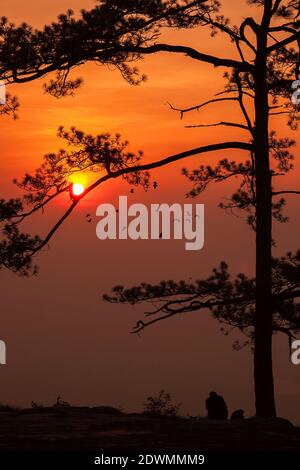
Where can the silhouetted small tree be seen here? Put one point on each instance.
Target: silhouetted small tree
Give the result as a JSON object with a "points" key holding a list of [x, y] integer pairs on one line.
{"points": [[161, 405]]}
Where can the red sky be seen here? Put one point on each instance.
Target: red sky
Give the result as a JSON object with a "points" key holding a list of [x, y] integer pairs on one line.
{"points": [[61, 338]]}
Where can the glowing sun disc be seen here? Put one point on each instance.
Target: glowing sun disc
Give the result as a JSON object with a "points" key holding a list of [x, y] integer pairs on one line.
{"points": [[77, 189]]}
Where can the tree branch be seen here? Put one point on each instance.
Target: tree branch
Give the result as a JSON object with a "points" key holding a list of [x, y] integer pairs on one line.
{"points": [[55, 228], [276, 193], [202, 105], [190, 308], [275, 47], [188, 51], [221, 123], [145, 167]]}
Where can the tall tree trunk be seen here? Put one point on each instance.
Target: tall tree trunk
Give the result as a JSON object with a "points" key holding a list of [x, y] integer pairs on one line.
{"points": [[263, 370]]}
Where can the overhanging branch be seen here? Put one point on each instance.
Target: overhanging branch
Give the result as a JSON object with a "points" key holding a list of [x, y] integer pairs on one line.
{"points": [[188, 51], [145, 167]]}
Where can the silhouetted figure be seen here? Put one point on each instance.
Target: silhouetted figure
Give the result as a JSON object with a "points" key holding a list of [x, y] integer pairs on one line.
{"points": [[238, 414], [216, 406]]}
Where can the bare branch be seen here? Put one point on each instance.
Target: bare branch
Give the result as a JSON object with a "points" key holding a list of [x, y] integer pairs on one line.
{"points": [[221, 123], [249, 22], [37, 207], [202, 105], [276, 193], [195, 306], [241, 103], [55, 228]]}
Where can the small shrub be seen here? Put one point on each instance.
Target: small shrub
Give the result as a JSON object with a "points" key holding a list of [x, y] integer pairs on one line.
{"points": [[61, 403], [35, 405], [161, 405]]}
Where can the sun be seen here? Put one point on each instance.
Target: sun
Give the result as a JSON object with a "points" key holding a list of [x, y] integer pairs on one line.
{"points": [[77, 189]]}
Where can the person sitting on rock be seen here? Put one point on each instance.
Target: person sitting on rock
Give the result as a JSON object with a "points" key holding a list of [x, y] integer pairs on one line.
{"points": [[216, 406]]}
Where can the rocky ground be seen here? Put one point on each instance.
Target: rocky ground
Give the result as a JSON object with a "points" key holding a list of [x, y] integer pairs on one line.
{"points": [[109, 430]]}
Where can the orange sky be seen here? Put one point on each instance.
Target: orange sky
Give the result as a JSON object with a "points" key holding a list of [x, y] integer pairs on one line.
{"points": [[61, 338]]}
